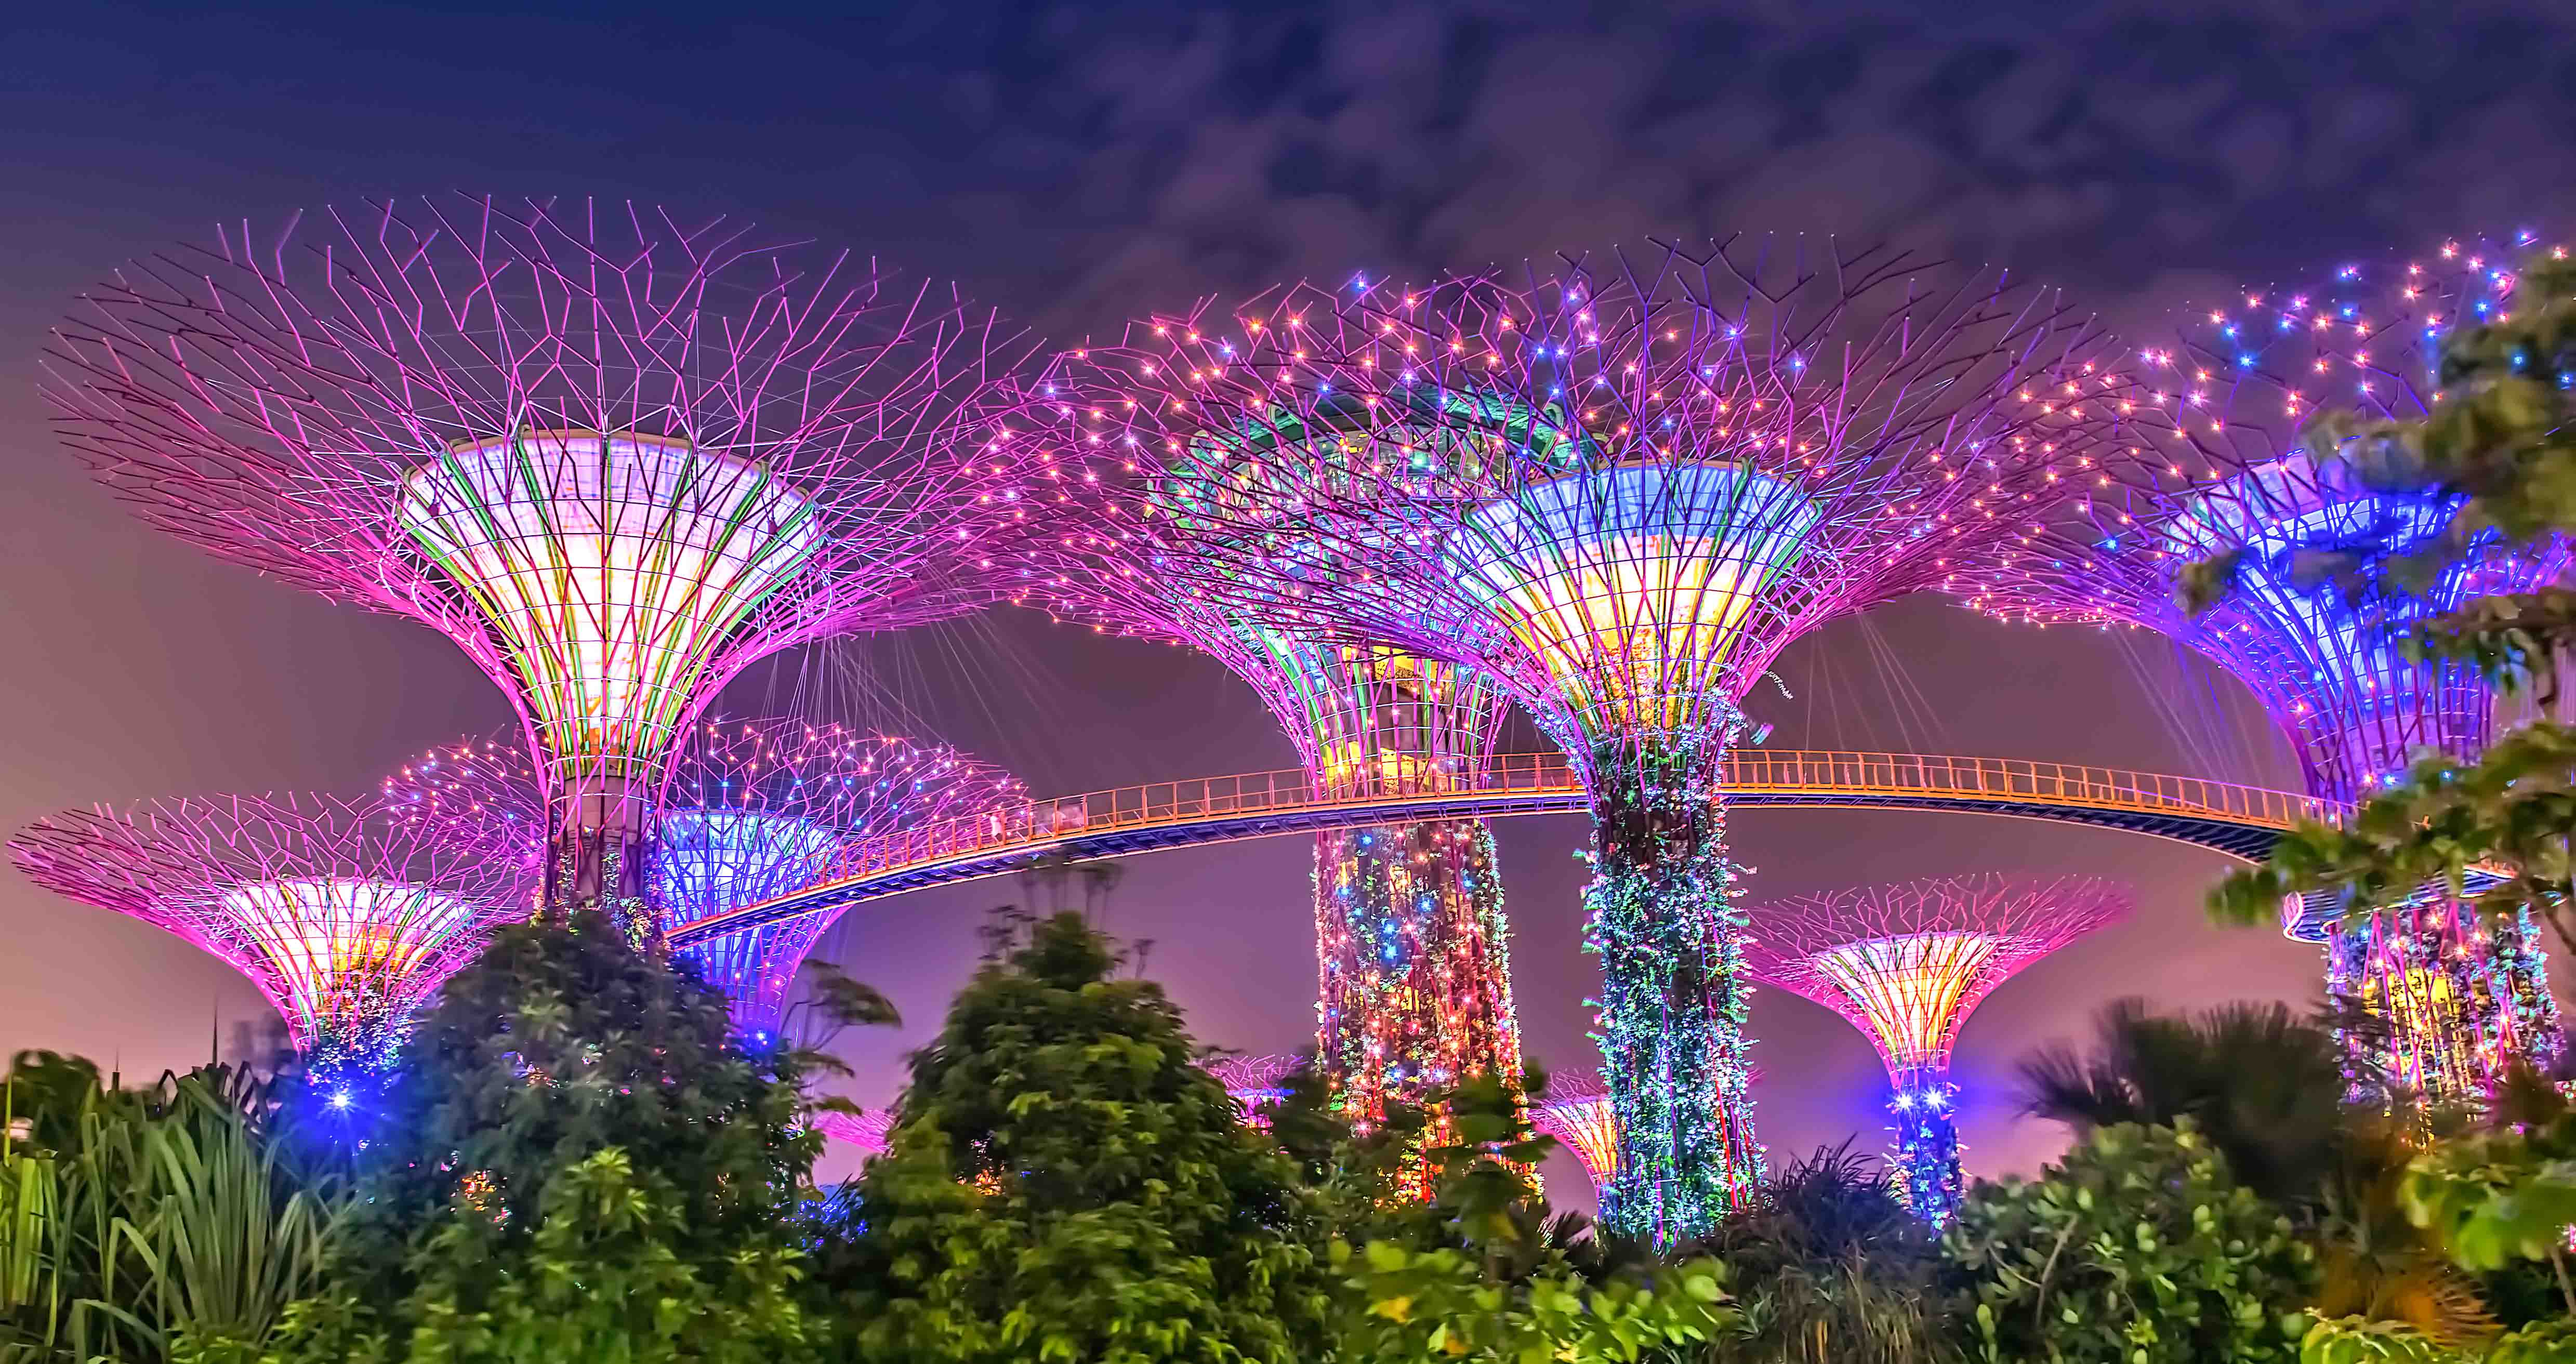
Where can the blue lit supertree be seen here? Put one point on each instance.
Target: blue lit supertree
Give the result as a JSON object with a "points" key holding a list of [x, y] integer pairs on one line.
{"points": [[1619, 493], [750, 811], [2210, 466], [1907, 964]]}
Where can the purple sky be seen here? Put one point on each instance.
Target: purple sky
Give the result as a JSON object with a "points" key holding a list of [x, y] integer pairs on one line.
{"points": [[1075, 165]]}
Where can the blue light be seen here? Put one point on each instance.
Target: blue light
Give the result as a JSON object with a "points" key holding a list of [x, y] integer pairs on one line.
{"points": [[340, 1100]]}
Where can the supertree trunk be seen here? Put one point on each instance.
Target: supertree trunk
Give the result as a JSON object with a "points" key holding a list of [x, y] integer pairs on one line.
{"points": [[597, 861], [1927, 1142], [1671, 1021], [2450, 1004], [1414, 959]]}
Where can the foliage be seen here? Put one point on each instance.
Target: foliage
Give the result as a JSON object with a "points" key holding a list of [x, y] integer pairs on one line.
{"points": [[132, 1220], [1066, 1183], [2138, 1246], [1830, 1264], [576, 1117], [2262, 1087]]}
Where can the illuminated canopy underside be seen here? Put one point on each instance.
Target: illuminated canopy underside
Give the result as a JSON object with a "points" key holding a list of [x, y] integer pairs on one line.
{"points": [[1632, 586], [339, 947], [1590, 1128], [611, 567], [1911, 989]]}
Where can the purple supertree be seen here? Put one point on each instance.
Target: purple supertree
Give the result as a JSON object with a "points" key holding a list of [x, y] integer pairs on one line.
{"points": [[613, 457], [1619, 495], [1256, 1082], [1412, 947], [1576, 1110], [1907, 964], [868, 1131], [346, 917], [748, 810], [2213, 467]]}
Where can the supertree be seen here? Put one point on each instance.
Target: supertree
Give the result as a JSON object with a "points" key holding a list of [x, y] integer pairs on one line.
{"points": [[346, 917], [1411, 943], [1576, 1110], [866, 1131], [1256, 1082], [615, 458], [748, 810], [1907, 964], [2211, 466], [1618, 494]]}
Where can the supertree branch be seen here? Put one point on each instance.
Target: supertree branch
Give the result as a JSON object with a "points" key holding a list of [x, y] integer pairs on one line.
{"points": [[346, 915], [613, 457], [2222, 524], [1576, 1110], [748, 810], [1907, 963], [1618, 490]]}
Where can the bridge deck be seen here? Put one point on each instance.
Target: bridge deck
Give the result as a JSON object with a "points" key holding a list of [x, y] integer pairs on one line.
{"points": [[2241, 821]]}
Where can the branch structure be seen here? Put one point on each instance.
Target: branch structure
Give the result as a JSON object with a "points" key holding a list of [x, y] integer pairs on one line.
{"points": [[347, 915], [1617, 489], [2210, 464], [1907, 964], [613, 456]]}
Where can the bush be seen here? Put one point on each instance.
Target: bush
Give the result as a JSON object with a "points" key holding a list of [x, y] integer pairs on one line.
{"points": [[2138, 1247]]}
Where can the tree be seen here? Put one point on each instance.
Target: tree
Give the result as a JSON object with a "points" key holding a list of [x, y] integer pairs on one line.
{"points": [[1830, 1265], [1064, 1182], [579, 1161], [2138, 1246]]}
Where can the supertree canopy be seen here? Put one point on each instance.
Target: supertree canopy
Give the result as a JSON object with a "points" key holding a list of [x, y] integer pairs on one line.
{"points": [[1412, 945], [1576, 1110], [758, 809], [1619, 495], [1907, 964], [1256, 1082], [346, 917], [748, 810], [2211, 466], [612, 457], [867, 1131]]}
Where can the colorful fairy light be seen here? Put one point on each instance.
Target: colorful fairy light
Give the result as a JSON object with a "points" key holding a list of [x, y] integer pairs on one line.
{"points": [[1617, 498], [613, 458], [1411, 939], [346, 916], [1907, 964], [2211, 466]]}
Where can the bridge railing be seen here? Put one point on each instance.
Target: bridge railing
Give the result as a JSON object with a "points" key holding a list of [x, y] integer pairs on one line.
{"points": [[1037, 823]]}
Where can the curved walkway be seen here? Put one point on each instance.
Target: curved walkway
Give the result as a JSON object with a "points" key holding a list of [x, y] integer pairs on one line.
{"points": [[2240, 821]]}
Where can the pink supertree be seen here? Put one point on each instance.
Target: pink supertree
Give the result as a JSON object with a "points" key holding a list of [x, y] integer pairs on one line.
{"points": [[1256, 1082], [346, 917], [748, 810], [613, 457], [1907, 964], [2212, 466], [867, 1131], [1412, 946], [1576, 1110], [1618, 493]]}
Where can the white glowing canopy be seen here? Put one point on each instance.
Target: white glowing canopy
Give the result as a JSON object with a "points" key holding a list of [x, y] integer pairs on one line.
{"points": [[342, 946], [610, 568], [1910, 988], [1633, 585]]}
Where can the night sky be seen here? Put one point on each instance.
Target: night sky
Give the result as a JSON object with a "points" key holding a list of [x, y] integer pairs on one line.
{"points": [[1077, 165]]}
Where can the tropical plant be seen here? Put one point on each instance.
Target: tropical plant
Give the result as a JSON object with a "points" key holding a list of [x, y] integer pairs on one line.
{"points": [[134, 1221], [576, 1118], [1829, 1265], [1065, 1182], [2138, 1246], [2260, 1085]]}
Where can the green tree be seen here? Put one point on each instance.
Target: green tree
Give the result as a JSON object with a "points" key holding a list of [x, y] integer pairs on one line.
{"points": [[1065, 1182], [579, 1161], [1830, 1266], [2138, 1246]]}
